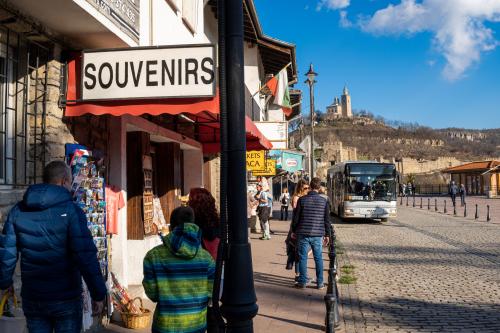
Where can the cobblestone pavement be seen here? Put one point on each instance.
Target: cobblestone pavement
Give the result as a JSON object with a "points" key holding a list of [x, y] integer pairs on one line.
{"points": [[424, 272], [472, 201]]}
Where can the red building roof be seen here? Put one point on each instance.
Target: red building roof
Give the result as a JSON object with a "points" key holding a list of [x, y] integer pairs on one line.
{"points": [[479, 166]]}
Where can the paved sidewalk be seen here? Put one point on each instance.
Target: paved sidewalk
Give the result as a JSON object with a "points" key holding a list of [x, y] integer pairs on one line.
{"points": [[282, 308]]}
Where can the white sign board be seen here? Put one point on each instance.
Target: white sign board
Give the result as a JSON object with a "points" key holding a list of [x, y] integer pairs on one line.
{"points": [[151, 72], [276, 132]]}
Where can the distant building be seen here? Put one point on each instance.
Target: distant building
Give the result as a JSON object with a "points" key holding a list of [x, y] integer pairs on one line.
{"points": [[340, 108]]}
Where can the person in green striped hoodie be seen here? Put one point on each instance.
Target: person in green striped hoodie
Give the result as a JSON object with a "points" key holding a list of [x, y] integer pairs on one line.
{"points": [[178, 276]]}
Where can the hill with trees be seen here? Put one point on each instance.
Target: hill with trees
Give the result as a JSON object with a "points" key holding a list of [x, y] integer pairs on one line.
{"points": [[376, 137]]}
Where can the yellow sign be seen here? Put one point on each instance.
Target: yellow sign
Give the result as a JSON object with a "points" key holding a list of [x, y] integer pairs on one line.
{"points": [[256, 160], [270, 169]]}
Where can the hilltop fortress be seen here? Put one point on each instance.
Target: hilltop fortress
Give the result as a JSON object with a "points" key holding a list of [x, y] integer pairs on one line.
{"points": [[340, 108]]}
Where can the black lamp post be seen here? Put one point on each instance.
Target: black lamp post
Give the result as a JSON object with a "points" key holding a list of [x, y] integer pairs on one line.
{"points": [[311, 76], [239, 302]]}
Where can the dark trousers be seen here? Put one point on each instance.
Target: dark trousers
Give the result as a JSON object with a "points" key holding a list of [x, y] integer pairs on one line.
{"points": [[57, 316], [453, 199], [462, 199], [284, 213]]}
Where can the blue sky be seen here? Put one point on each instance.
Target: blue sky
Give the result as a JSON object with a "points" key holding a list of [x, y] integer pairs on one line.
{"points": [[435, 62]]}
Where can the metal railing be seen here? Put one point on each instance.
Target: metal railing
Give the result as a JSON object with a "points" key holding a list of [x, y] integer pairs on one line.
{"points": [[443, 189], [23, 103]]}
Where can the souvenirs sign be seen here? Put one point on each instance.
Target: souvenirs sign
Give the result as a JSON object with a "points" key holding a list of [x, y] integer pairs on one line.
{"points": [[148, 72], [256, 160]]}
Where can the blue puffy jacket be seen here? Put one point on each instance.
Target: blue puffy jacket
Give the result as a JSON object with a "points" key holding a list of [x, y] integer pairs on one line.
{"points": [[50, 232]]}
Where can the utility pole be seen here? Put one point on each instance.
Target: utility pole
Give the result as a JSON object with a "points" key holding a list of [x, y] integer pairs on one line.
{"points": [[311, 75], [239, 301]]}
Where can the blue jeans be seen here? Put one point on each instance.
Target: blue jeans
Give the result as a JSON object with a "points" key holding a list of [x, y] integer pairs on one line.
{"points": [[316, 243], [57, 316]]}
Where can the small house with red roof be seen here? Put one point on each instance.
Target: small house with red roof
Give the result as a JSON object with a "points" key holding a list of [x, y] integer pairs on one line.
{"points": [[479, 178]]}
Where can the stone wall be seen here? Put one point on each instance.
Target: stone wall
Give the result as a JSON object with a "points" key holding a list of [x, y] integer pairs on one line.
{"points": [[414, 166]]}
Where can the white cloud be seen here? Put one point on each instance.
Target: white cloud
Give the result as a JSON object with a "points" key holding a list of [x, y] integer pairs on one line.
{"points": [[458, 28], [334, 4], [344, 21]]}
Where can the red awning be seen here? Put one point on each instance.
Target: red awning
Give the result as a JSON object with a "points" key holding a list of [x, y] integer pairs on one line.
{"points": [[203, 111], [209, 135]]}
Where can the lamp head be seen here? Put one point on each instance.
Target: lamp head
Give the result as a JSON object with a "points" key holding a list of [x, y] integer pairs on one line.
{"points": [[311, 75]]}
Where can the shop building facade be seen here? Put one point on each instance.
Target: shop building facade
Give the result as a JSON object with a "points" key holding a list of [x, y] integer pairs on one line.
{"points": [[175, 140]]}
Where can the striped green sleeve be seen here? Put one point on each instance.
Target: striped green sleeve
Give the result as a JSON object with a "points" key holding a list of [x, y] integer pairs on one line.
{"points": [[149, 281]]}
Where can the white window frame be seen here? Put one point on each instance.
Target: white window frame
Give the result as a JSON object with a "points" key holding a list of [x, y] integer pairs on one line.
{"points": [[190, 9]]}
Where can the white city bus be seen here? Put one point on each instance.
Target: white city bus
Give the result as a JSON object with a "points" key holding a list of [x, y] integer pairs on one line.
{"points": [[363, 189]]}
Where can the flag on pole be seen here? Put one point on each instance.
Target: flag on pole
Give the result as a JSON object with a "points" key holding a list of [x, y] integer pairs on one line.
{"points": [[278, 86]]}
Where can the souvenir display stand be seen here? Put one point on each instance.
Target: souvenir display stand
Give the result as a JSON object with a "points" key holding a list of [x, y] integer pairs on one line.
{"points": [[88, 189]]}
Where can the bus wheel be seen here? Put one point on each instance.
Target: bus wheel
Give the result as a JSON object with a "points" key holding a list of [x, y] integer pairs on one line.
{"points": [[384, 220]]}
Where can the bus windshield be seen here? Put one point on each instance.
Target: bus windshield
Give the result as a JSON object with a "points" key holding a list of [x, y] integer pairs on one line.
{"points": [[369, 182]]}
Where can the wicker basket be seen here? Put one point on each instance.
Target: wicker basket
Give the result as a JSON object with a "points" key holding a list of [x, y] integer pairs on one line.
{"points": [[136, 321]]}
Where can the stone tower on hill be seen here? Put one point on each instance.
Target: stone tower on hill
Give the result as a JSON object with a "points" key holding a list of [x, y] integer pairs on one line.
{"points": [[340, 108]]}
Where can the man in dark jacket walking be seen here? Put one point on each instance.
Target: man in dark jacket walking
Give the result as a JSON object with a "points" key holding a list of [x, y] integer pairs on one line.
{"points": [[311, 222], [50, 232]]}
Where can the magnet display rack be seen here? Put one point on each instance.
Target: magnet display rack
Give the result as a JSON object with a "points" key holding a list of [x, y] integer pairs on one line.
{"points": [[88, 189]]}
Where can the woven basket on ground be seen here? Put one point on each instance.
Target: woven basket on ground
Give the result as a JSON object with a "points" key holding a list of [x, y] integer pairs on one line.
{"points": [[134, 320]]}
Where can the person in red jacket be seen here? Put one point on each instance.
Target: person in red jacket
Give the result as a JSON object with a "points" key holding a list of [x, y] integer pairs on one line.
{"points": [[207, 218]]}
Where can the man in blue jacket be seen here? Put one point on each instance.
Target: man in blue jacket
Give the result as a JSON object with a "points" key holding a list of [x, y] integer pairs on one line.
{"points": [[50, 233], [311, 222]]}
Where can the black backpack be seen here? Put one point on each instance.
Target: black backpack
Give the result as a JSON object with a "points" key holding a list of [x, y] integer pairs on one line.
{"points": [[284, 201]]}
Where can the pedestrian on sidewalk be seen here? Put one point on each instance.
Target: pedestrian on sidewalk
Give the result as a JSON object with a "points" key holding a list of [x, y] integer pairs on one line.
{"points": [[206, 218], [291, 242], [285, 202], [453, 192], [263, 211], [271, 211], [252, 205], [463, 193], [179, 276], [49, 231], [311, 222]]}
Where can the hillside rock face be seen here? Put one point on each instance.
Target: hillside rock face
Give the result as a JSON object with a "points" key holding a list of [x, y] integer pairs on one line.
{"points": [[375, 140]]}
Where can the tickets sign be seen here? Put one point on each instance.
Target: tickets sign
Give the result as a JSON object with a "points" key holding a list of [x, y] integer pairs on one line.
{"points": [[256, 160], [269, 171]]}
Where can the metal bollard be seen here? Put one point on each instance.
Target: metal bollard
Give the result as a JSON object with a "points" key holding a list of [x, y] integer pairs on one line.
{"points": [[420, 203], [488, 217], [454, 210], [476, 216], [445, 209], [413, 202], [435, 205], [465, 210], [406, 201], [428, 203], [401, 200]]}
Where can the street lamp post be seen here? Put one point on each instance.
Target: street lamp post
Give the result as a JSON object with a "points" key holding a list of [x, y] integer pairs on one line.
{"points": [[239, 301], [311, 75]]}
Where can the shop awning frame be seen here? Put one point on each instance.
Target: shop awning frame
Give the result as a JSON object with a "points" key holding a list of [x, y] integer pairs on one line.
{"points": [[204, 112]]}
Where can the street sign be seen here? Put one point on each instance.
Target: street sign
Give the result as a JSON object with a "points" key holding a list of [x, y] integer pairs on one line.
{"points": [[269, 171], [306, 143], [256, 160]]}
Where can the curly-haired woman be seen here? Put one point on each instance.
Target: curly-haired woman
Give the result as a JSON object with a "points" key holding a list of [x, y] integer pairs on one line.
{"points": [[206, 217]]}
